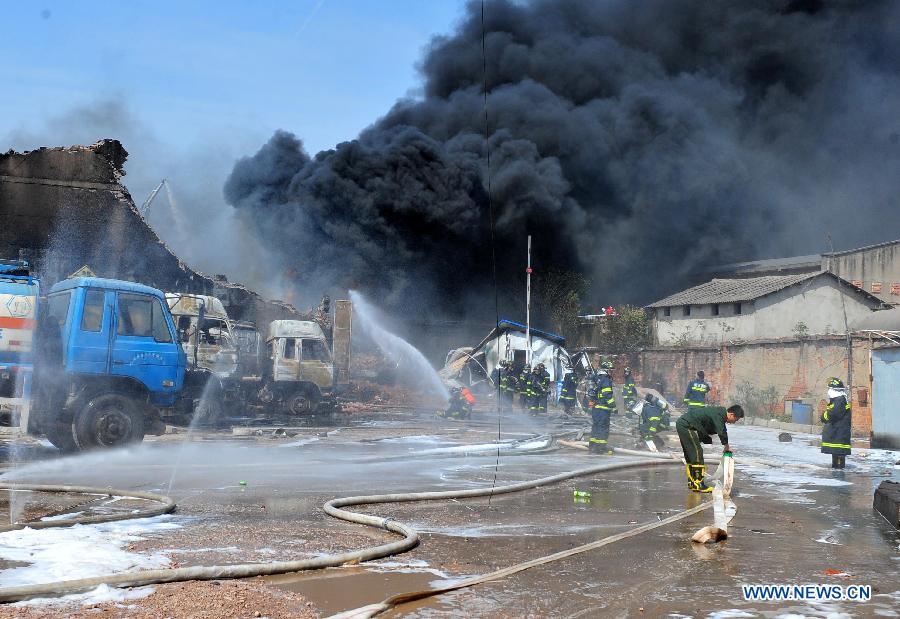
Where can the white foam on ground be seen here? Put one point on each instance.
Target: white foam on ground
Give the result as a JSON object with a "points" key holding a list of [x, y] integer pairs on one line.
{"points": [[100, 595], [61, 517], [81, 551], [730, 613], [303, 441]]}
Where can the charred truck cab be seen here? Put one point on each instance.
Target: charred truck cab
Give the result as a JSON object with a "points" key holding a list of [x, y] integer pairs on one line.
{"points": [[212, 383], [108, 366], [300, 370]]}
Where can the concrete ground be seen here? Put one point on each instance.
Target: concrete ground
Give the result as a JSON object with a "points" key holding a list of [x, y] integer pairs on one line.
{"points": [[797, 523]]}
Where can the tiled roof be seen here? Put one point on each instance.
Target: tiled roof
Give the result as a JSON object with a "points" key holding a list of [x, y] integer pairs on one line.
{"points": [[736, 290]]}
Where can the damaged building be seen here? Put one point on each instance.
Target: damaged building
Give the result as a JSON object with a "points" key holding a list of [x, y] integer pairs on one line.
{"points": [[66, 208]]}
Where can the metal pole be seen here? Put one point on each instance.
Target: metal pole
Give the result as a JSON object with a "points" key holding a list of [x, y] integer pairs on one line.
{"points": [[528, 306], [846, 324]]}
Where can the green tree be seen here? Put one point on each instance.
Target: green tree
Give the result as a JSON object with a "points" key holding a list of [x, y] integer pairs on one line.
{"points": [[626, 332], [557, 297]]}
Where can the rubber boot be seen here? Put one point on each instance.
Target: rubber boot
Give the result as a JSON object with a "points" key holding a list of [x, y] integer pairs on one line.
{"points": [[842, 461], [836, 461], [698, 472]]}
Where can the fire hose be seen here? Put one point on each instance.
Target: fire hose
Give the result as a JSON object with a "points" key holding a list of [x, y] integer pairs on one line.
{"points": [[333, 508]]}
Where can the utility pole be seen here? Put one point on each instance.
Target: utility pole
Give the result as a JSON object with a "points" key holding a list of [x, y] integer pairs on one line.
{"points": [[846, 325], [528, 306]]}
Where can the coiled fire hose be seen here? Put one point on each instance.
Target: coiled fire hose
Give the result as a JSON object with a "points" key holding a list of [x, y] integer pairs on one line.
{"points": [[333, 508]]}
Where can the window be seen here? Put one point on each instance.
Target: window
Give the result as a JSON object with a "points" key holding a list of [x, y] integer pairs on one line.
{"points": [[895, 288], [135, 315], [59, 307], [92, 315], [715, 309], [857, 282], [687, 310], [314, 350], [667, 311], [141, 315], [161, 331], [876, 287], [738, 308], [290, 348]]}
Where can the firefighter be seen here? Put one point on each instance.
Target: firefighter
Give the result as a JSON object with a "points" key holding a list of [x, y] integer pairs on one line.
{"points": [[696, 391], [568, 392], [460, 404], [629, 391], [654, 417], [697, 426], [505, 381], [836, 428], [604, 404], [540, 389], [523, 386]]}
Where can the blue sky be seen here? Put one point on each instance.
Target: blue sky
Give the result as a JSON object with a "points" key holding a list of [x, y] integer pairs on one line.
{"points": [[323, 69], [188, 87]]}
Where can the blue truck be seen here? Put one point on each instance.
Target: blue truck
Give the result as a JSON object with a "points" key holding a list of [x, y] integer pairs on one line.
{"points": [[107, 365]]}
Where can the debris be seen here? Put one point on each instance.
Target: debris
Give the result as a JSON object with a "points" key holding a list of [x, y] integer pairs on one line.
{"points": [[887, 502], [785, 437]]}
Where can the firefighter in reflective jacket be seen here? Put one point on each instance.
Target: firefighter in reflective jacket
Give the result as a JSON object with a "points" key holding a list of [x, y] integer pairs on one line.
{"points": [[604, 404], [696, 391], [567, 394], [629, 391], [460, 404], [837, 418], [523, 386], [540, 389], [505, 381], [654, 417]]}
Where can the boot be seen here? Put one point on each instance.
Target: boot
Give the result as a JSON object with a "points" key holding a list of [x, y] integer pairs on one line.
{"points": [[837, 461], [842, 461], [698, 472], [598, 448]]}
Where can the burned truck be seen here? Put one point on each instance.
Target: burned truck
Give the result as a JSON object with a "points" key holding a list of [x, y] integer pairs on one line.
{"points": [[299, 372], [213, 379]]}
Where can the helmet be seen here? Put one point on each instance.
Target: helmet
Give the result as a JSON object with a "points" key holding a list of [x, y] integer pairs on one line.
{"points": [[701, 375], [835, 383], [628, 370], [539, 366], [649, 397], [606, 365], [504, 363], [455, 390], [526, 368]]}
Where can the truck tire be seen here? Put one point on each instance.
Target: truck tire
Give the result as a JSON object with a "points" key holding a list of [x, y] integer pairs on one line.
{"points": [[302, 402], [108, 420], [60, 434]]}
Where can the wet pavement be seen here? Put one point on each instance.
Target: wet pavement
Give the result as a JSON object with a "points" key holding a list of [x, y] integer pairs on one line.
{"points": [[797, 521]]}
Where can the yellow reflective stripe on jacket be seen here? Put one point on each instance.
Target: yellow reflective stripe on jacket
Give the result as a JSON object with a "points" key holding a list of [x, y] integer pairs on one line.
{"points": [[696, 404], [838, 445]]}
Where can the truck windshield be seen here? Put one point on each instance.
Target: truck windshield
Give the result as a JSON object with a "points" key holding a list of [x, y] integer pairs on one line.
{"points": [[314, 350], [59, 307], [141, 315]]}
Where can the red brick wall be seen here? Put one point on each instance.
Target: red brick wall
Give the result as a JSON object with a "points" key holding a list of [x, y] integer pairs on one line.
{"points": [[796, 369]]}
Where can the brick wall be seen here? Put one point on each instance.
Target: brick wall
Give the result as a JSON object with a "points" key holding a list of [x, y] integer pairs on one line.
{"points": [[793, 369]]}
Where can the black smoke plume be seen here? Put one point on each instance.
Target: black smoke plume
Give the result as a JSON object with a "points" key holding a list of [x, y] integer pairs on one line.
{"points": [[637, 141]]}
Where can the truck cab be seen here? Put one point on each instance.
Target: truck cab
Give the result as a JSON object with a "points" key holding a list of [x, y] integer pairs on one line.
{"points": [[300, 367], [19, 296], [212, 384], [109, 363]]}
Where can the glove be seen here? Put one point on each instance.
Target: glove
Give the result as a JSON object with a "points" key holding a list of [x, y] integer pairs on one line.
{"points": [[727, 454]]}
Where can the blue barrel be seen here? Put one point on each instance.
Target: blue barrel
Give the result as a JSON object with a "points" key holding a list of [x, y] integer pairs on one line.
{"points": [[801, 413]]}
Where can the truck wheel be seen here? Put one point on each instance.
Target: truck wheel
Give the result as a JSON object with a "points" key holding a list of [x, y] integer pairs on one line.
{"points": [[108, 420], [60, 434], [302, 402]]}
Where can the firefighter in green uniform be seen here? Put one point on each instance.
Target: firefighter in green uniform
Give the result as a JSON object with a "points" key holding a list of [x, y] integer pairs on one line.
{"points": [[604, 404], [523, 386], [629, 391], [697, 426], [697, 390], [540, 389], [837, 418], [567, 394]]}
